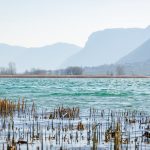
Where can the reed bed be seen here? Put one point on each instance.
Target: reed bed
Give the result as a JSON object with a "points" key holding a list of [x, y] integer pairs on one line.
{"points": [[24, 127]]}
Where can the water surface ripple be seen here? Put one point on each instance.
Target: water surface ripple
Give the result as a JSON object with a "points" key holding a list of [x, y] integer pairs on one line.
{"points": [[102, 93]]}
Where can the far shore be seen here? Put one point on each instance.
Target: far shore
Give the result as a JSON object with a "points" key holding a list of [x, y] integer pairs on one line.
{"points": [[74, 76]]}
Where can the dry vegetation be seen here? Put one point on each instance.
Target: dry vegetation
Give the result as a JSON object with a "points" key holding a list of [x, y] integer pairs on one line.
{"points": [[24, 126]]}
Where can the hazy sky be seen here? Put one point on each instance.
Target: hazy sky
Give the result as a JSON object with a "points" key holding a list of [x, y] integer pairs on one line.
{"points": [[43, 22]]}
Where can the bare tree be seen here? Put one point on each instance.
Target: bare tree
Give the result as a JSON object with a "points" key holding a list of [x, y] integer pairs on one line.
{"points": [[3, 70], [11, 68], [120, 70]]}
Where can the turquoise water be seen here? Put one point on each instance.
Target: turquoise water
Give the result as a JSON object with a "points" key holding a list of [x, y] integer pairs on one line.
{"points": [[100, 93]]}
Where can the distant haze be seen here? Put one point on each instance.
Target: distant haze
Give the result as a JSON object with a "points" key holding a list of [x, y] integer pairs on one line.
{"points": [[48, 57], [140, 55], [102, 47], [108, 46], [34, 23]]}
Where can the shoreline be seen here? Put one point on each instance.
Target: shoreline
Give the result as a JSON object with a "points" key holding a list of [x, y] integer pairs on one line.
{"points": [[73, 76]]}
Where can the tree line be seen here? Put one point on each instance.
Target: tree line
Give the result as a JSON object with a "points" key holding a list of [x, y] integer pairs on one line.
{"points": [[67, 71], [72, 70]]}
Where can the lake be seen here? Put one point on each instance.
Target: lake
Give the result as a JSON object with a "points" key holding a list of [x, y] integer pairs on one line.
{"points": [[109, 93]]}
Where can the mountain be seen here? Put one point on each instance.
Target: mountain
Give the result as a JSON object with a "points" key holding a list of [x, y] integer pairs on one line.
{"points": [[108, 46], [139, 55], [136, 62], [48, 57]]}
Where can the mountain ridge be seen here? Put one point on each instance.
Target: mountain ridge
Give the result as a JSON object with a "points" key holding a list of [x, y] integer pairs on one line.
{"points": [[140, 55], [46, 57], [108, 46], [102, 47]]}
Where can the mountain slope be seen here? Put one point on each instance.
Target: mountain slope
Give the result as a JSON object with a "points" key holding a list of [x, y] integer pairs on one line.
{"points": [[108, 46], [48, 57], [139, 55]]}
